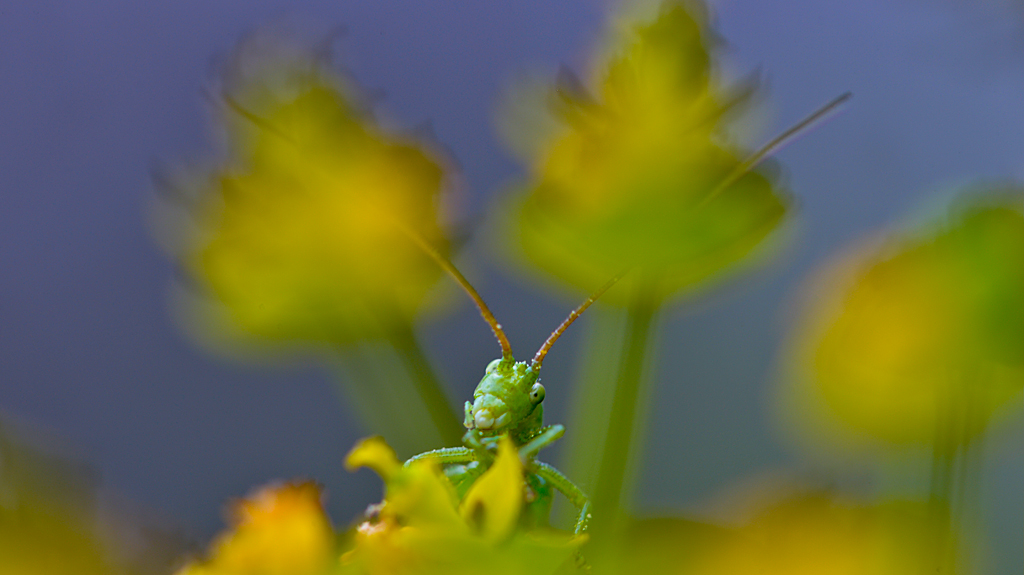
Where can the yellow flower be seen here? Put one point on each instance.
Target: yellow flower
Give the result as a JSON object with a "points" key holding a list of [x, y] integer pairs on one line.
{"points": [[49, 520], [640, 174], [819, 535], [278, 530], [422, 528], [924, 334], [302, 231]]}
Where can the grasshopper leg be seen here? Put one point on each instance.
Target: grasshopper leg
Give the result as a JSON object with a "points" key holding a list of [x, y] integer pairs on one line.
{"points": [[447, 455], [460, 465], [569, 489], [546, 437], [483, 447]]}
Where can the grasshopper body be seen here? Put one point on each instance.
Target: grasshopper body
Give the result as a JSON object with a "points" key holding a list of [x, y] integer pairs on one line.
{"points": [[508, 401]]}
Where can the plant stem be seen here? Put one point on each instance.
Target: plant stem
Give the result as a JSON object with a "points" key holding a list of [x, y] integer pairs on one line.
{"points": [[611, 477], [369, 396], [593, 393], [428, 386], [943, 455], [949, 440]]}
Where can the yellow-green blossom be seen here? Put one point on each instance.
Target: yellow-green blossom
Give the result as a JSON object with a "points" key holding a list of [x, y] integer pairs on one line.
{"points": [[302, 231], [422, 528], [923, 334], [640, 172], [820, 535], [50, 523], [278, 530]]}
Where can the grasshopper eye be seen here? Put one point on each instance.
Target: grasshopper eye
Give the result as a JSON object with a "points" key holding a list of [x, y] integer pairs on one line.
{"points": [[537, 393]]}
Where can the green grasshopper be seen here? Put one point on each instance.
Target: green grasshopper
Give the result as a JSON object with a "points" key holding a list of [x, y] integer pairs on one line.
{"points": [[508, 401]]}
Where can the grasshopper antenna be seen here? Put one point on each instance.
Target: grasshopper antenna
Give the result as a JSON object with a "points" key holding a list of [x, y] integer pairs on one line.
{"points": [[448, 266], [776, 143], [573, 316], [227, 102]]}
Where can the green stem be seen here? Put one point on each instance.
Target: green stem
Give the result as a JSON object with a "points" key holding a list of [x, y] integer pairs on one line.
{"points": [[950, 439], [939, 505], [943, 454], [611, 477], [962, 505], [369, 396], [593, 393], [428, 386]]}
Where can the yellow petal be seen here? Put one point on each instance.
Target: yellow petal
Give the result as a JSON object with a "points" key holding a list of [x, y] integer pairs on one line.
{"points": [[421, 496], [375, 453], [493, 503], [419, 528], [279, 530]]}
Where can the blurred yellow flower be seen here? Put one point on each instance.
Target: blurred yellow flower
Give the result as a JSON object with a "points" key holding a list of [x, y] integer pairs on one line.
{"points": [[640, 173], [301, 232], [422, 528], [923, 335], [278, 530], [50, 522], [820, 535]]}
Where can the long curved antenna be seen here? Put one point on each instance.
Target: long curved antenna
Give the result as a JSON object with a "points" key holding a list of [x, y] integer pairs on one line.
{"points": [[257, 120], [448, 266], [778, 142], [573, 316]]}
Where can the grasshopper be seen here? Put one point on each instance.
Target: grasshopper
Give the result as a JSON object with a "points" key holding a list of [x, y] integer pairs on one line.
{"points": [[508, 401]]}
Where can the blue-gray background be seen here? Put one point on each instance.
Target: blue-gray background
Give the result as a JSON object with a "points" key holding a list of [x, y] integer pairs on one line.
{"points": [[92, 94]]}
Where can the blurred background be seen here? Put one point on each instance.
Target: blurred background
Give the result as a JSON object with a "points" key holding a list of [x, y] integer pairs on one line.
{"points": [[95, 95]]}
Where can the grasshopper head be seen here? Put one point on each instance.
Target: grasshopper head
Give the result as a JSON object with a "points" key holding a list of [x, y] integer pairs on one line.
{"points": [[507, 395]]}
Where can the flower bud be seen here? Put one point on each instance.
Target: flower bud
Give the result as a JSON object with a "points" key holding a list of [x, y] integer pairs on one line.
{"points": [[302, 231], [640, 173]]}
